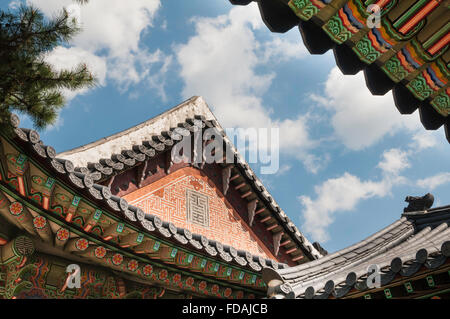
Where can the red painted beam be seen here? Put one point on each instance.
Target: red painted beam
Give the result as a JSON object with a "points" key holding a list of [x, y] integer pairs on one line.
{"points": [[419, 16]]}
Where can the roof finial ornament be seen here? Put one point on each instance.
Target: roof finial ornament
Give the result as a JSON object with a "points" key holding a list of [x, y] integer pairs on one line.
{"points": [[419, 203]]}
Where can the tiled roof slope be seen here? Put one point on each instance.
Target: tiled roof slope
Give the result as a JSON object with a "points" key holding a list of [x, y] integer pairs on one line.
{"points": [[64, 169], [110, 156], [406, 53], [116, 143], [416, 240]]}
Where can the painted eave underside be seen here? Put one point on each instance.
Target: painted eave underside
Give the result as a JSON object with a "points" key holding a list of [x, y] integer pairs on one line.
{"points": [[390, 59], [416, 240], [112, 155]]}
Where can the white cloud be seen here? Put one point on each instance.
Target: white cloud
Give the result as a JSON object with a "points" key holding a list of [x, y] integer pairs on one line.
{"points": [[112, 31], [69, 58], [334, 195], [394, 161], [220, 63], [284, 169], [433, 182], [360, 119], [285, 49], [425, 139], [344, 193]]}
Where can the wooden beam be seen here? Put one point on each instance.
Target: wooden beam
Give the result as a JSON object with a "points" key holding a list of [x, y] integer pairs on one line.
{"points": [[111, 181], [266, 219], [62, 235], [234, 177], [246, 194], [76, 245], [259, 211], [42, 228], [17, 214], [92, 220], [251, 208], [298, 258], [286, 242], [148, 246], [131, 240], [276, 242], [72, 210], [272, 227], [93, 253], [240, 186], [47, 193], [141, 173], [226, 174], [22, 246], [113, 231], [291, 250]]}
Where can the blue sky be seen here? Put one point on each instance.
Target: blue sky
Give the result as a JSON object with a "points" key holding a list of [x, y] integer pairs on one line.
{"points": [[347, 158]]}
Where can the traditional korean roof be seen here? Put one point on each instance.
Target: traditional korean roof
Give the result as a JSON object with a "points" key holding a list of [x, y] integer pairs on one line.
{"points": [[417, 241], [406, 53], [84, 183], [131, 241], [158, 126], [108, 157]]}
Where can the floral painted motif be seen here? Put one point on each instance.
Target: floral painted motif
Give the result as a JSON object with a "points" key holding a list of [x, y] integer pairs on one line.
{"points": [[100, 252], [176, 278], [62, 234], [37, 180], [82, 244], [148, 270], [190, 281], [39, 222], [117, 259], [227, 293], [215, 289], [16, 208], [163, 274], [133, 265], [202, 285]]}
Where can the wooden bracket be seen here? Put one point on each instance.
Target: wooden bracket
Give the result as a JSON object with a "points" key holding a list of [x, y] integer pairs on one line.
{"points": [[251, 206], [141, 173], [110, 181], [169, 162], [276, 242], [226, 174]]}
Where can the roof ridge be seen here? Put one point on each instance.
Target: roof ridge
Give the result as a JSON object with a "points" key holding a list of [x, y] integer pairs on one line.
{"points": [[195, 100]]}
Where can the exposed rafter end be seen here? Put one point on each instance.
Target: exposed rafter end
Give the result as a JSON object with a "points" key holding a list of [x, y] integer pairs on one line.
{"points": [[251, 208], [429, 117], [404, 100], [141, 173], [377, 81], [276, 242], [315, 40], [346, 60], [277, 16], [226, 175]]}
